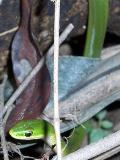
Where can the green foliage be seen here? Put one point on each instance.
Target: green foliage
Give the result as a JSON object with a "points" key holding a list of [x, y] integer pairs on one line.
{"points": [[97, 24], [106, 124], [103, 128], [101, 115], [97, 133]]}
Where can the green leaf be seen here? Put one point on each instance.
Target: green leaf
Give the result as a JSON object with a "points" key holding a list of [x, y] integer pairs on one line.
{"points": [[106, 124], [101, 115], [97, 24], [97, 134]]}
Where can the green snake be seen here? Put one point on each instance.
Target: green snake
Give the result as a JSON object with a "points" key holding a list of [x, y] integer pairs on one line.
{"points": [[41, 129], [97, 23], [34, 129]]}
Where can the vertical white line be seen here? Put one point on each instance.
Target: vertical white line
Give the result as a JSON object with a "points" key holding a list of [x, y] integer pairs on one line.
{"points": [[1, 2], [56, 56]]}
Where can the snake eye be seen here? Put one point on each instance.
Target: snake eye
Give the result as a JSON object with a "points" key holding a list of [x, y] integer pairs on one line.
{"points": [[28, 134]]}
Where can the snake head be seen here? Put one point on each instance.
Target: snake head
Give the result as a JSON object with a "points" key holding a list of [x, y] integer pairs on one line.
{"points": [[34, 129]]}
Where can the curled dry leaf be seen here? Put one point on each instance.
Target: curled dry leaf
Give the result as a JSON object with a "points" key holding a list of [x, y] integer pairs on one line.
{"points": [[25, 56]]}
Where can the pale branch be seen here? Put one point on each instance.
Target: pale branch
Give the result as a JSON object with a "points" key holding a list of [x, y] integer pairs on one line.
{"points": [[110, 51], [4, 143], [3, 140], [108, 154], [1, 2], [9, 31], [63, 37], [55, 79]]}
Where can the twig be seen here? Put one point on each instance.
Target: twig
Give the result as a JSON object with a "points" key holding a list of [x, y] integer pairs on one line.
{"points": [[16, 149], [1, 2], [35, 70], [8, 31], [3, 140], [97, 148], [108, 154], [63, 36], [56, 57], [110, 51]]}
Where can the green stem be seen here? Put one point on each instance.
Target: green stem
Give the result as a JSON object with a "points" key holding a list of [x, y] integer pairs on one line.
{"points": [[97, 24]]}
